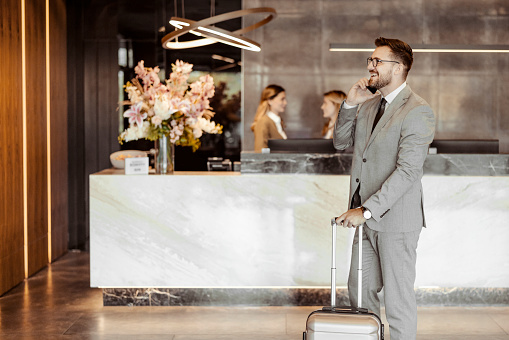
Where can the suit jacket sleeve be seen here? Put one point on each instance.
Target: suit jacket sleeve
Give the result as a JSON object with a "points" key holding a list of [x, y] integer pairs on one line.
{"points": [[417, 132], [344, 129]]}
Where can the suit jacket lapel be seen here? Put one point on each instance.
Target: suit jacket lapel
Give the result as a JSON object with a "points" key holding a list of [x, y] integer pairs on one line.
{"points": [[396, 104]]}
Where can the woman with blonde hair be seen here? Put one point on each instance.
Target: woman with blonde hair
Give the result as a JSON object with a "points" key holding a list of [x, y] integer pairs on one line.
{"points": [[331, 104], [267, 123]]}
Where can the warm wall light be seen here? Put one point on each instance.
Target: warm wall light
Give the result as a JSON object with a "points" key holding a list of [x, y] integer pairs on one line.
{"points": [[426, 48], [212, 34], [24, 106], [48, 129]]}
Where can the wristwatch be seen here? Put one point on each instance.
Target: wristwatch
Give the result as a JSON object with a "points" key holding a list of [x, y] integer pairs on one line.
{"points": [[366, 213]]}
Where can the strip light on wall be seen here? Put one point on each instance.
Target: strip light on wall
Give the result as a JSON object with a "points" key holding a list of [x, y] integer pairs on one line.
{"points": [[48, 129], [426, 48], [24, 109]]}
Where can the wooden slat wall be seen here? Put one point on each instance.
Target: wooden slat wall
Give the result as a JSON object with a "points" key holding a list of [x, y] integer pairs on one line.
{"points": [[58, 102], [37, 193], [12, 259], [100, 104], [93, 97], [11, 147], [78, 229]]}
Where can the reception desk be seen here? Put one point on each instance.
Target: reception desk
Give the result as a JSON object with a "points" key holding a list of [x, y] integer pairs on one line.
{"points": [[262, 236]]}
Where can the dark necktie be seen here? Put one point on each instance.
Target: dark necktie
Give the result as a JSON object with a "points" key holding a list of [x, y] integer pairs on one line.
{"points": [[379, 114]]}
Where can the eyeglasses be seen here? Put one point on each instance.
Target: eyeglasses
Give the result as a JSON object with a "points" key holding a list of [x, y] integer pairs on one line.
{"points": [[377, 61]]}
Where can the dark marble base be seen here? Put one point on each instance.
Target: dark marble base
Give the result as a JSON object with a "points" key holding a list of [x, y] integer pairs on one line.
{"points": [[289, 297], [340, 164]]}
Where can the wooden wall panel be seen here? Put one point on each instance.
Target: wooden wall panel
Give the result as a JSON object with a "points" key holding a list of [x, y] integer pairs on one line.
{"points": [[12, 194], [75, 75], [93, 97], [11, 147], [90, 120], [37, 183], [58, 107], [101, 97], [107, 103]]}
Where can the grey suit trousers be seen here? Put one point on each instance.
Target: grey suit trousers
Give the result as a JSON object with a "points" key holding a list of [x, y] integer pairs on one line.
{"points": [[388, 262]]}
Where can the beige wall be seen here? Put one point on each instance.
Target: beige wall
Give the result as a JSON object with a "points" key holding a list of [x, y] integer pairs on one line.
{"points": [[467, 91]]}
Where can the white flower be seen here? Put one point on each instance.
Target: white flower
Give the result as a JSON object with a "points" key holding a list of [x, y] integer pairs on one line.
{"points": [[133, 94], [162, 107], [203, 125], [134, 132], [143, 131]]}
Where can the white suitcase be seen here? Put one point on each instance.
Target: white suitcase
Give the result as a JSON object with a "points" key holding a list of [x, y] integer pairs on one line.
{"points": [[333, 322]]}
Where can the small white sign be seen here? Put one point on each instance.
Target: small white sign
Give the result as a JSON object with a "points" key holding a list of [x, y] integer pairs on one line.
{"points": [[136, 166]]}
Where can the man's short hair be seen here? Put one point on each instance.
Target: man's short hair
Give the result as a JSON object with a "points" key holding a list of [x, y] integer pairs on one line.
{"points": [[401, 51]]}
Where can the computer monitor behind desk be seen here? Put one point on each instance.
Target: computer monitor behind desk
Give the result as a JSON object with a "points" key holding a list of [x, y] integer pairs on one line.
{"points": [[301, 145], [470, 146]]}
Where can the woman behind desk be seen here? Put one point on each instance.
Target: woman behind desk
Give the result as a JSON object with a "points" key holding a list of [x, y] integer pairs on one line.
{"points": [[267, 123], [331, 104]]}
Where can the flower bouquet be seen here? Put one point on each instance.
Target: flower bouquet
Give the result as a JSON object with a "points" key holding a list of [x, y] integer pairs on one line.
{"points": [[173, 110]]}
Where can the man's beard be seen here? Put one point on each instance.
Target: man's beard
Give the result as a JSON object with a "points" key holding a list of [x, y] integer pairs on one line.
{"points": [[381, 81]]}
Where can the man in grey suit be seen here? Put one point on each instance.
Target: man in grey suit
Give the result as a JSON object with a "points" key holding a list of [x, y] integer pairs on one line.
{"points": [[391, 134]]}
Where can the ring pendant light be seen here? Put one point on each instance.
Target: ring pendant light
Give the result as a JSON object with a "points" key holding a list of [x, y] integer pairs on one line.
{"points": [[214, 34]]}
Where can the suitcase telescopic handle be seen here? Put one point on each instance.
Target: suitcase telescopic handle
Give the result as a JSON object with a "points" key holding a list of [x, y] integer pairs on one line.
{"points": [[333, 266]]}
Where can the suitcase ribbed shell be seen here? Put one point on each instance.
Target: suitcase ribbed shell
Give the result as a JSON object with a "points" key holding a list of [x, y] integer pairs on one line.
{"points": [[325, 326]]}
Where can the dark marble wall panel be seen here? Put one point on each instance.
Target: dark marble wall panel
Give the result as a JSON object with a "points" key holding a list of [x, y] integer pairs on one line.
{"points": [[466, 91]]}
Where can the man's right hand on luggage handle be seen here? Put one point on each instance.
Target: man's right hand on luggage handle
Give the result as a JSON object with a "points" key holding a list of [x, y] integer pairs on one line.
{"points": [[351, 219]]}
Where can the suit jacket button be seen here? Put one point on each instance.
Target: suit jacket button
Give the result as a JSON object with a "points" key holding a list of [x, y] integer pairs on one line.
{"points": [[364, 160], [357, 180]]}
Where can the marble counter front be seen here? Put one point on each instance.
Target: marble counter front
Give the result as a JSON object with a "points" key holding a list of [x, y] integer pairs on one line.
{"points": [[217, 236], [214, 230]]}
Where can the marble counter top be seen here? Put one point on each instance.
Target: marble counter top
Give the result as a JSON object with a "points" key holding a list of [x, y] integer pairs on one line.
{"points": [[120, 172], [340, 164]]}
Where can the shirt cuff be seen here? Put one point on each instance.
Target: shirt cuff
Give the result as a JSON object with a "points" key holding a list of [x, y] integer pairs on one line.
{"points": [[346, 106]]}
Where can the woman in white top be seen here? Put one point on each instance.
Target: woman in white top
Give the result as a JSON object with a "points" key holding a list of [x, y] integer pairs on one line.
{"points": [[267, 123], [331, 104]]}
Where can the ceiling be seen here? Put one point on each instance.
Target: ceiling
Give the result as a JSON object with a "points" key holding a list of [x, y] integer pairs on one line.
{"points": [[144, 23]]}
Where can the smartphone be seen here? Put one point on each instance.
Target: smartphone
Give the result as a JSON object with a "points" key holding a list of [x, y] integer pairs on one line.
{"points": [[371, 89]]}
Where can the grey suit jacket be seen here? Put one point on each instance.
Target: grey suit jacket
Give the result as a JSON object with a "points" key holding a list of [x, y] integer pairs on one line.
{"points": [[388, 163]]}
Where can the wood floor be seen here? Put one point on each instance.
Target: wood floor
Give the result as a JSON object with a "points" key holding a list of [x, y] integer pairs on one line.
{"points": [[57, 303]]}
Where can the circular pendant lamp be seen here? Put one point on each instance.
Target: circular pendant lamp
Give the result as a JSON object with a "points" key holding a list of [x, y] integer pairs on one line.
{"points": [[210, 34]]}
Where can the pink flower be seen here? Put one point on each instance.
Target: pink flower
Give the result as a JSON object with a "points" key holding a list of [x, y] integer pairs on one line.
{"points": [[156, 120], [182, 105], [208, 86], [140, 69], [135, 115], [182, 67]]}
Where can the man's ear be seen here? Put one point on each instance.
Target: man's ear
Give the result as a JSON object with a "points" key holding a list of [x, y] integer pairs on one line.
{"points": [[398, 70]]}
